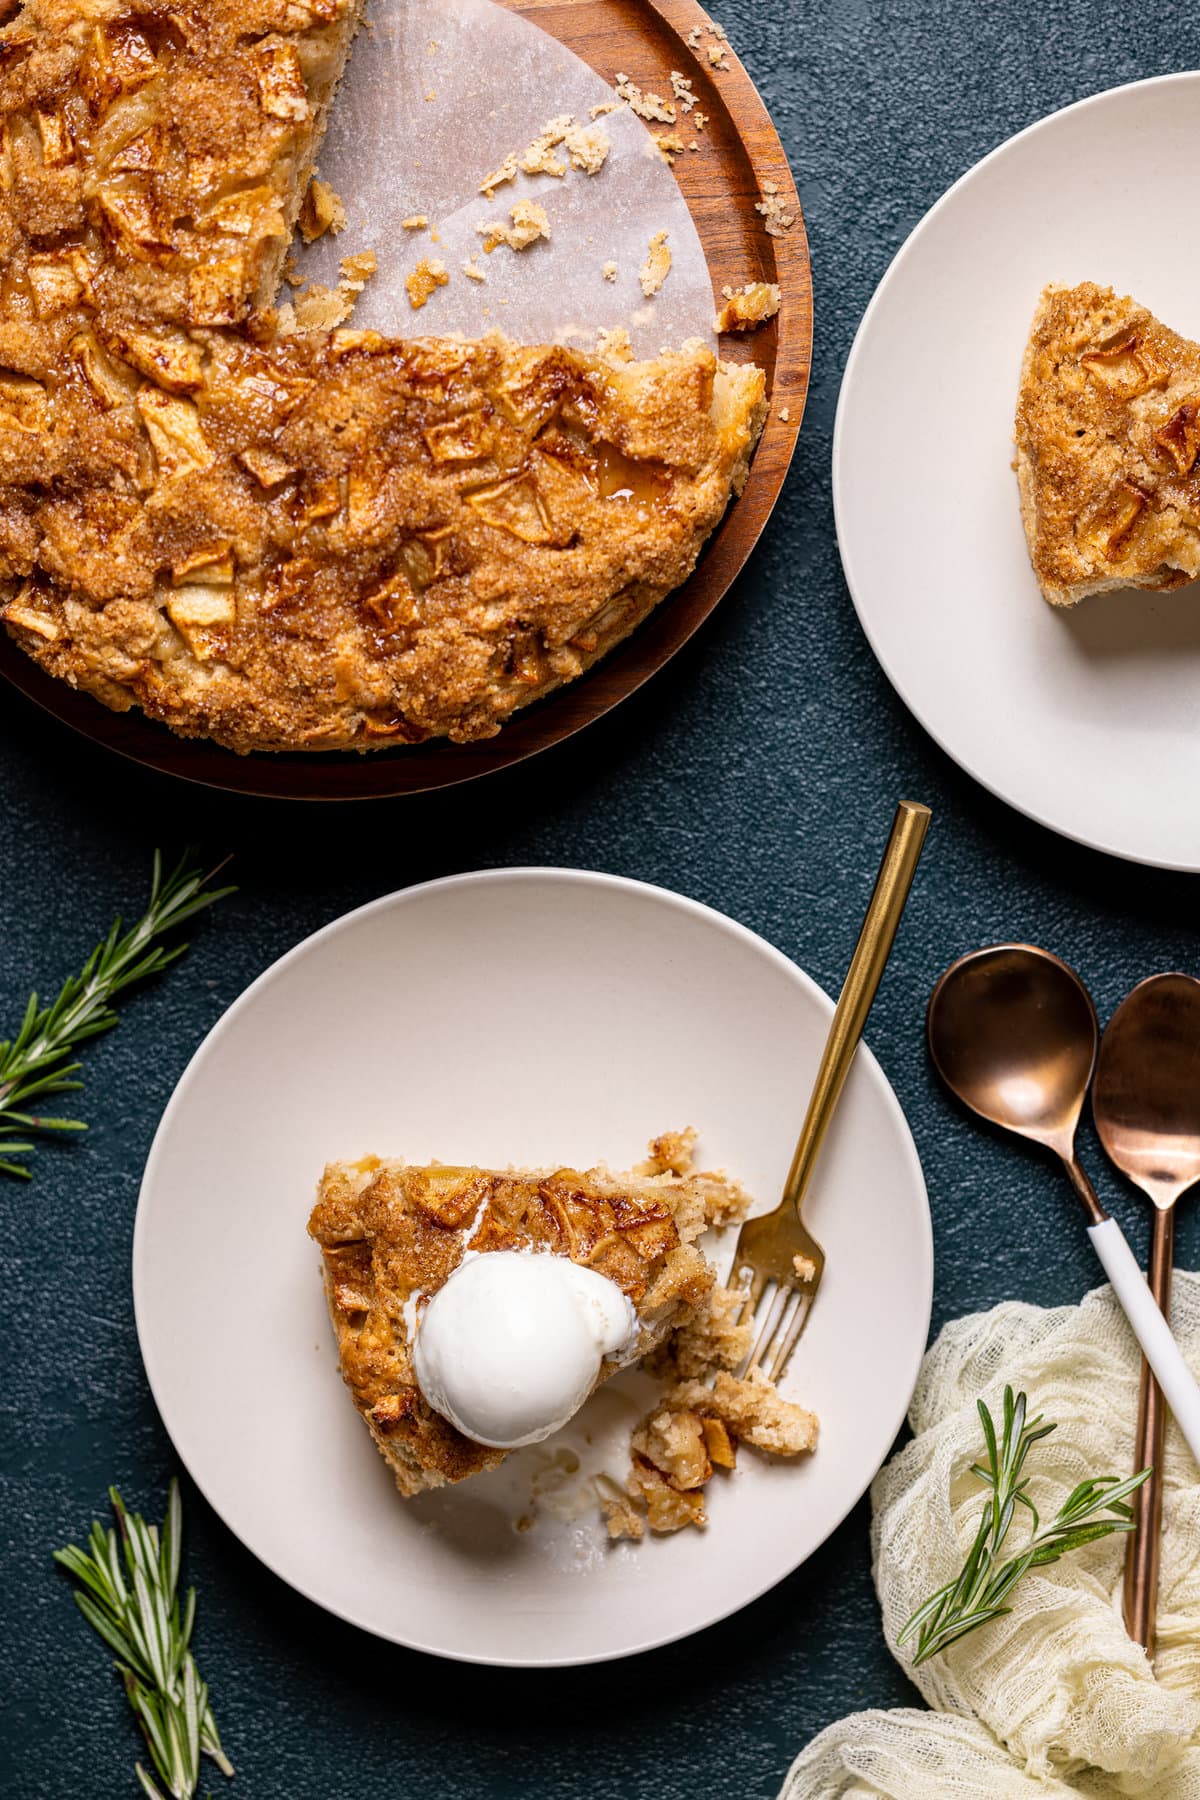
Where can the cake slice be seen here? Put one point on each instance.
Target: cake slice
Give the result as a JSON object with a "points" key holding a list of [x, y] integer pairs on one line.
{"points": [[394, 1235], [391, 1235], [1108, 447]]}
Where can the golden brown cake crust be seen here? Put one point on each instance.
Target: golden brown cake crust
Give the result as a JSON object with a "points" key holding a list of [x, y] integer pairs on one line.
{"points": [[392, 1234], [1108, 447], [323, 541]]}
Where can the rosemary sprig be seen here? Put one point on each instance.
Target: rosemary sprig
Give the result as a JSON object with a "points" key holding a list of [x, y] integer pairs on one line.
{"points": [[978, 1593], [128, 1594], [33, 1064]]}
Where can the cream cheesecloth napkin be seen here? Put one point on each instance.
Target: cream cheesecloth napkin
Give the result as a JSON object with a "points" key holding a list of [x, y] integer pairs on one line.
{"points": [[1055, 1699]]}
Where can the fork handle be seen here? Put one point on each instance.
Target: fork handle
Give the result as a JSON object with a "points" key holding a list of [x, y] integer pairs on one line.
{"points": [[874, 946]]}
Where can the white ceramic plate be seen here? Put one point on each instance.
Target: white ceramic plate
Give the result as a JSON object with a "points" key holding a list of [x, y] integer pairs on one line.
{"points": [[529, 1016], [1087, 720]]}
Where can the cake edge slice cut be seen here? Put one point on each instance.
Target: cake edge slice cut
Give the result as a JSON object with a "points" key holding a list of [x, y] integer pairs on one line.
{"points": [[1104, 504]]}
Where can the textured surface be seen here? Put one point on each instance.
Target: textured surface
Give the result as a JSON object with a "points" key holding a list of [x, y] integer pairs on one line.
{"points": [[759, 775]]}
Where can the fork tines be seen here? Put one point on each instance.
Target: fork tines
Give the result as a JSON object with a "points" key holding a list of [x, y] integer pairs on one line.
{"points": [[783, 1319]]}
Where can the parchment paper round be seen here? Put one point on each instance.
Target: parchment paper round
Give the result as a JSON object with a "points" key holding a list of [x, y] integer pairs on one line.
{"points": [[436, 94]]}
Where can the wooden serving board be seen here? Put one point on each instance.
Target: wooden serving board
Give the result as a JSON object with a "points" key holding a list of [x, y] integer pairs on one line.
{"points": [[740, 154]]}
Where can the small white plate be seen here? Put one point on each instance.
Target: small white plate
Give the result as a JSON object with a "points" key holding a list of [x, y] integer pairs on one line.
{"points": [[525, 1016], [1088, 720]]}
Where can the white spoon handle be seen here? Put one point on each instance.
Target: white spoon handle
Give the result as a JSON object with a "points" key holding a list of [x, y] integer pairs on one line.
{"points": [[1180, 1388]]}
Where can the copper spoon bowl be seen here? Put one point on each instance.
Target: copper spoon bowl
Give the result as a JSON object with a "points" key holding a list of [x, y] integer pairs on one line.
{"points": [[1013, 1033], [1146, 1104]]}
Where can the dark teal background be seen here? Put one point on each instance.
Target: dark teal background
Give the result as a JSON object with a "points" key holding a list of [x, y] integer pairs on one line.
{"points": [[758, 774]]}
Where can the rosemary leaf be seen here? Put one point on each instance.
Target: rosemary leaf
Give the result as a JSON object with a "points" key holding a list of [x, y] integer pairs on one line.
{"points": [[1096, 1509], [34, 1061], [135, 1609]]}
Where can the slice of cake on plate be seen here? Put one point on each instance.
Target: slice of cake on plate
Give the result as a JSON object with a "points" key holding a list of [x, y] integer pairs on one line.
{"points": [[393, 1237], [1108, 447], [476, 1310]]}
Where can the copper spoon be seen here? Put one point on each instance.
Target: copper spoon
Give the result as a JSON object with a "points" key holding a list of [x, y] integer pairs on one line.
{"points": [[1013, 1032], [1146, 1104]]}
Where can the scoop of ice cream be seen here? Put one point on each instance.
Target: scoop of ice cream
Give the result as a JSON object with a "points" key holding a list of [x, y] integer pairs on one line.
{"points": [[510, 1347]]}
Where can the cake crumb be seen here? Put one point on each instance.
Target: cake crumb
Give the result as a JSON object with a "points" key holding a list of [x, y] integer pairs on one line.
{"points": [[321, 308], [670, 145], [425, 279], [320, 211], [614, 345], [610, 271], [700, 119], [753, 1410], [805, 1267], [357, 270], [693, 1430], [785, 413], [704, 1411], [414, 222], [623, 1518], [748, 307], [506, 172], [666, 1507], [657, 266], [670, 1154], [588, 148], [317, 308], [472, 270], [693, 38], [538, 158], [673, 1442], [681, 87], [716, 57], [605, 106], [646, 106], [529, 223], [774, 212]]}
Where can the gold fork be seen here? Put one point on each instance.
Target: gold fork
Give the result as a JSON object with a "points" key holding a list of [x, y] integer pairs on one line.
{"points": [[778, 1252]]}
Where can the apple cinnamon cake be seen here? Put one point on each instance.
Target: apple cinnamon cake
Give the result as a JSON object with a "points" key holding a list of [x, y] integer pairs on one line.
{"points": [[322, 540], [1108, 447], [393, 1235]]}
